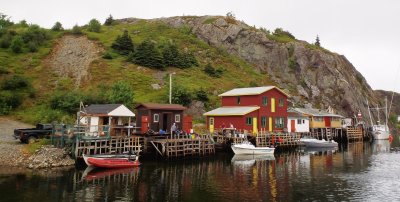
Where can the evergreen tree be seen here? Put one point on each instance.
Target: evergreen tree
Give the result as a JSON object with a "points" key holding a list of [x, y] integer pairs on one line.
{"points": [[317, 42], [148, 55], [121, 93], [171, 55], [123, 44], [57, 27], [94, 26], [109, 21]]}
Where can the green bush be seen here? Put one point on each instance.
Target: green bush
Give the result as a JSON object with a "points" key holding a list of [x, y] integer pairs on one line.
{"points": [[67, 102], [35, 34], [76, 30], [121, 93], [16, 45], [23, 23], [32, 46], [107, 56], [9, 100], [123, 44], [5, 21], [202, 96], [173, 58], [211, 71], [16, 82], [5, 40], [94, 26], [57, 27], [181, 95], [4, 70]]}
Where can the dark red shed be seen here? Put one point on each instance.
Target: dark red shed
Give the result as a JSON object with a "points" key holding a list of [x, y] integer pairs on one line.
{"points": [[160, 116]]}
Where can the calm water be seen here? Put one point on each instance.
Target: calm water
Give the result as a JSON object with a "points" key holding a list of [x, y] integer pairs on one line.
{"points": [[357, 172]]}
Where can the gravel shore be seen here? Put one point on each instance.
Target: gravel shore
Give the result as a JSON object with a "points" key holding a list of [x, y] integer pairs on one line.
{"points": [[12, 151]]}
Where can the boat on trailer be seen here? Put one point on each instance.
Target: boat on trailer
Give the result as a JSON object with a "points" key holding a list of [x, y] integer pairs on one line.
{"points": [[310, 142], [247, 148]]}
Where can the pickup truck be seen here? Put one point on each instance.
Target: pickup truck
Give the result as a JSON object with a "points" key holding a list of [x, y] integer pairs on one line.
{"points": [[30, 135]]}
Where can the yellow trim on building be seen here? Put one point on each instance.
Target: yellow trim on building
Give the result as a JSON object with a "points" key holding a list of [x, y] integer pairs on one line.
{"points": [[270, 124], [272, 104], [255, 128]]}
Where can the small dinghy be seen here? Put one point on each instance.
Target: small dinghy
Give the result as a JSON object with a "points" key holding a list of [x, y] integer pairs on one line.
{"points": [[248, 148], [112, 162]]}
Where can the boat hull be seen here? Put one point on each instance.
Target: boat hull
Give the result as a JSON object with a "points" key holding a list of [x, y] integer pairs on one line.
{"points": [[380, 135], [108, 156], [252, 151], [314, 143], [113, 163]]}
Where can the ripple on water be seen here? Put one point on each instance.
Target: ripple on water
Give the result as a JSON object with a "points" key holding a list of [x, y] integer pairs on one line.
{"points": [[379, 182]]}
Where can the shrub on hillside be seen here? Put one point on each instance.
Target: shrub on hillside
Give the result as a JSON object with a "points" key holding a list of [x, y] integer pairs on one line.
{"points": [[67, 102], [94, 26], [35, 35], [57, 27], [16, 45], [16, 82], [148, 55], [173, 58], [5, 21], [76, 30], [121, 93], [9, 100], [5, 40], [211, 71], [123, 44], [281, 32], [181, 95], [109, 21], [202, 96]]}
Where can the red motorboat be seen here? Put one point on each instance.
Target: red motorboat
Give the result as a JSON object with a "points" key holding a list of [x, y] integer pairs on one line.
{"points": [[113, 163]]}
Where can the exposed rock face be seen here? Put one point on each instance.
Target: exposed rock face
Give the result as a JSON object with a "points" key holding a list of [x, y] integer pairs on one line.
{"points": [[72, 56], [318, 76], [49, 156]]}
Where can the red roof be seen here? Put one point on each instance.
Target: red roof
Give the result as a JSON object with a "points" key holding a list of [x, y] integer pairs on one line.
{"points": [[161, 106]]}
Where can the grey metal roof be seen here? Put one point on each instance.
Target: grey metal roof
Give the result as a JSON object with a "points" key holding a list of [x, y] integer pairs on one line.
{"points": [[315, 112], [231, 111], [101, 108], [250, 91]]}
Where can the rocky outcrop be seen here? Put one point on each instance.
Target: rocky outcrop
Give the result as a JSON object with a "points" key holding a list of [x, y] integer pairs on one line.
{"points": [[48, 157], [313, 75], [72, 56]]}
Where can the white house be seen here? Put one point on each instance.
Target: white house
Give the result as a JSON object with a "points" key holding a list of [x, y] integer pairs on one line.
{"points": [[297, 122], [106, 119]]}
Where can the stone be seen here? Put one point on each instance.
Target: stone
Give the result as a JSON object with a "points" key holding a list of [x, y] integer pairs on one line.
{"points": [[155, 86]]}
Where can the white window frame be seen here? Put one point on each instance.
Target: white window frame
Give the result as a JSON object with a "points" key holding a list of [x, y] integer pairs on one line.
{"points": [[156, 118], [177, 118]]}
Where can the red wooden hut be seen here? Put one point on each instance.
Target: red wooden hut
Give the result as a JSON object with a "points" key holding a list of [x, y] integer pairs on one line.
{"points": [[251, 109], [161, 116]]}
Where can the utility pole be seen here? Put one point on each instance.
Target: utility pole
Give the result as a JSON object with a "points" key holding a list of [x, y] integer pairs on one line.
{"points": [[170, 87]]}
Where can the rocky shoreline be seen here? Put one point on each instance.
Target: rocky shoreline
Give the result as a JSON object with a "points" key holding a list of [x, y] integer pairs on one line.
{"points": [[13, 154]]}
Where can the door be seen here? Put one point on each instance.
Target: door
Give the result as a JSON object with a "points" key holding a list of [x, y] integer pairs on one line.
{"points": [[327, 122], [166, 122], [255, 128], [211, 124], [270, 124], [292, 126]]}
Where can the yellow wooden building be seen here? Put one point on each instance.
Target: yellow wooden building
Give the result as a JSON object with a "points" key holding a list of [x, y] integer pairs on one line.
{"points": [[321, 119]]}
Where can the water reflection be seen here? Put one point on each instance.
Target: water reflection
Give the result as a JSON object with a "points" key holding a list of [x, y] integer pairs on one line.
{"points": [[356, 171]]}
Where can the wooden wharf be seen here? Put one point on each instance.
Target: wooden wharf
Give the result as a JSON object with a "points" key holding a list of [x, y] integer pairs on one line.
{"points": [[107, 145], [184, 146], [279, 140]]}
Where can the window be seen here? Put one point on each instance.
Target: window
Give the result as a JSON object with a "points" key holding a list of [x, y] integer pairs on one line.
{"points": [[238, 100], [281, 102], [318, 119], [279, 122], [177, 118], [298, 121], [263, 121], [211, 121], [156, 118], [265, 101], [304, 121], [249, 120]]}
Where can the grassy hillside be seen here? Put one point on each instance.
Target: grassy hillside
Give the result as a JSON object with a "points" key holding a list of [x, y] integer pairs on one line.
{"points": [[43, 85]]}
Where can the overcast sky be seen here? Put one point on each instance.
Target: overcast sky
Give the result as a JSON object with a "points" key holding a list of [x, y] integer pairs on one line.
{"points": [[367, 32]]}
